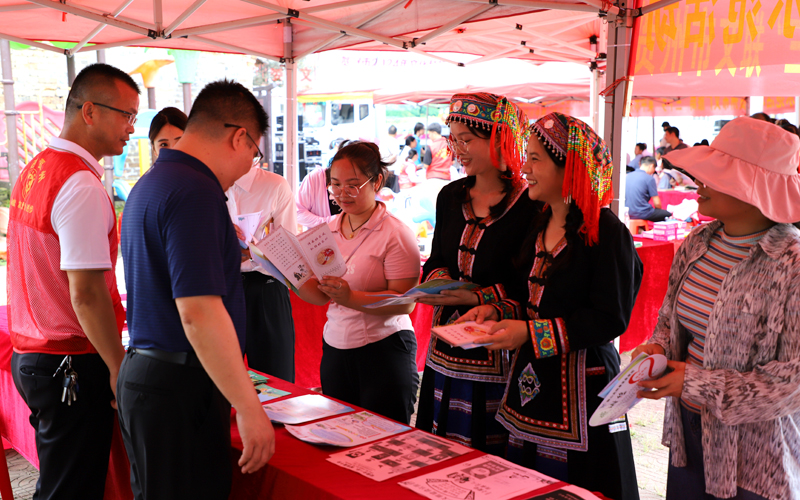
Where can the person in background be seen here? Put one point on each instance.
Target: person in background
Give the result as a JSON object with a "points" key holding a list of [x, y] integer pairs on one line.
{"points": [[408, 175], [368, 355], [640, 189], [480, 226], [186, 313], [410, 143], [663, 141], [65, 314], [437, 161], [269, 339], [583, 276], [730, 323], [639, 150], [419, 128], [165, 130], [673, 137], [315, 205], [763, 117]]}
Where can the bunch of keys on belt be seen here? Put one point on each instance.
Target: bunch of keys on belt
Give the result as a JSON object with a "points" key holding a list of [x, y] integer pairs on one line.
{"points": [[70, 393]]}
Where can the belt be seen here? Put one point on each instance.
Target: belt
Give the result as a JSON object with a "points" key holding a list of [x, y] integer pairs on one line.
{"points": [[176, 358]]}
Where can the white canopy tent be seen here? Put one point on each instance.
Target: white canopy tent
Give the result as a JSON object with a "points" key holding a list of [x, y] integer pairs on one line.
{"points": [[535, 31]]}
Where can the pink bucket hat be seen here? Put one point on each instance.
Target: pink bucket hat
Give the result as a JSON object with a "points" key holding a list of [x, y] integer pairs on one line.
{"points": [[753, 161]]}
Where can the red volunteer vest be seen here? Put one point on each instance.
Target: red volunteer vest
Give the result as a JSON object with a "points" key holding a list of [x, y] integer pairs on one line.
{"points": [[440, 161], [40, 314]]}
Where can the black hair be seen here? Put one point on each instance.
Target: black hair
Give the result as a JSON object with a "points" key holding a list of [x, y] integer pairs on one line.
{"points": [[93, 81], [661, 151], [435, 127], [786, 125], [410, 139], [762, 116], [641, 146], [675, 131], [392, 130], [412, 154], [366, 156], [704, 142], [649, 160], [506, 177], [226, 101], [665, 124], [419, 126], [167, 116]]}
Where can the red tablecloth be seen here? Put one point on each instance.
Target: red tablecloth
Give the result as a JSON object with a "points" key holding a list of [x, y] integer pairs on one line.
{"points": [[309, 321], [657, 259], [673, 197]]}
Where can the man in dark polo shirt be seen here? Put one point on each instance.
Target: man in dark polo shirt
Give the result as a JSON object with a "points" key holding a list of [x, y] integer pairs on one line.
{"points": [[640, 188], [186, 311]]}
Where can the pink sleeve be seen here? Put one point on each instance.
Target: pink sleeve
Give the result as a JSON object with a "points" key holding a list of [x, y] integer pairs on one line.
{"points": [[402, 254]]}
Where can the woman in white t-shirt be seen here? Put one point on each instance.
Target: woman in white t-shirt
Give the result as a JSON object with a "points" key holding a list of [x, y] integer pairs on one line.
{"points": [[368, 355]]}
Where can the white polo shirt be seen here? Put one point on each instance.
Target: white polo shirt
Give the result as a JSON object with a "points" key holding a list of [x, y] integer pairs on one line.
{"points": [[82, 216]]}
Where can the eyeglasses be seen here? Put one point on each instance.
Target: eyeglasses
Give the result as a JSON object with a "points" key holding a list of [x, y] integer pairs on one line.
{"points": [[456, 145], [131, 116], [350, 191], [256, 159]]}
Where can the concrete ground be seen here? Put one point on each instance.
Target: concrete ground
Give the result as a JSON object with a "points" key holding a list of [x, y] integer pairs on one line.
{"points": [[645, 422]]}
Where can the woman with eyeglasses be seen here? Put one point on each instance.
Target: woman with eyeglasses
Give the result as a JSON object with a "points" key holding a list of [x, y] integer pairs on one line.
{"points": [[165, 130], [368, 355], [481, 222]]}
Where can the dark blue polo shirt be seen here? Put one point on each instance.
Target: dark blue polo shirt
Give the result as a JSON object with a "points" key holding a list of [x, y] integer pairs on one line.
{"points": [[178, 241], [639, 188]]}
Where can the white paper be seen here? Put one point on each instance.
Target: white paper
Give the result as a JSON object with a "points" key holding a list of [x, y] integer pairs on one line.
{"points": [[321, 252], [620, 393], [348, 430], [284, 253], [304, 409], [397, 455], [463, 334], [248, 223], [484, 478]]}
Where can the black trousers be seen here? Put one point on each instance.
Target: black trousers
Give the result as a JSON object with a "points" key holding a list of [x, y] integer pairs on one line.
{"points": [[270, 328], [380, 377], [658, 215], [176, 428], [73, 441]]}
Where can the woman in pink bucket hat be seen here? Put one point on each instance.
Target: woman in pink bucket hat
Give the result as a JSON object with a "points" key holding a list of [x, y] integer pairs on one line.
{"points": [[730, 323]]}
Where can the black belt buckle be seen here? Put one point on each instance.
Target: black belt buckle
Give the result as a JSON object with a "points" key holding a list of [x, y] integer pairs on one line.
{"points": [[176, 358]]}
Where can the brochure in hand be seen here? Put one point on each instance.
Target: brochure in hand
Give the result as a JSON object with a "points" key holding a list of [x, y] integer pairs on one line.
{"points": [[463, 334], [248, 223], [432, 287], [304, 408], [348, 430], [294, 259], [620, 394]]}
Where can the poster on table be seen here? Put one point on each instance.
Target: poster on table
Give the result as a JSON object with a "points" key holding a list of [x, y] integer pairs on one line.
{"points": [[348, 430], [303, 409], [568, 492], [381, 460], [485, 478]]}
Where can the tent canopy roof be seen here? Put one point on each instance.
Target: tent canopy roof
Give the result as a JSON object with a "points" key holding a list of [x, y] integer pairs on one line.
{"points": [[526, 29]]}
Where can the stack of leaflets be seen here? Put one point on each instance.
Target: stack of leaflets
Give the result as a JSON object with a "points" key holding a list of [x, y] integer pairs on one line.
{"points": [[257, 378], [267, 393], [463, 334], [304, 409], [381, 460], [348, 430], [432, 287], [484, 478], [293, 260], [620, 394]]}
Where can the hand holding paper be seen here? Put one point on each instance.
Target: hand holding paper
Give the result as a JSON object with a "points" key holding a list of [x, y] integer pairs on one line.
{"points": [[507, 334]]}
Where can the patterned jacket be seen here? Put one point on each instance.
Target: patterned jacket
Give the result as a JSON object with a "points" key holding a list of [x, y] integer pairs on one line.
{"points": [[749, 385]]}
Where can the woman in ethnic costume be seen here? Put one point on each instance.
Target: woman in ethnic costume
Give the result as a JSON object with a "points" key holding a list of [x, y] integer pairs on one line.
{"points": [[481, 222], [584, 275]]}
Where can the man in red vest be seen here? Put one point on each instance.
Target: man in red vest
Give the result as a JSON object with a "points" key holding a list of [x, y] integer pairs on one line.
{"points": [[65, 313]]}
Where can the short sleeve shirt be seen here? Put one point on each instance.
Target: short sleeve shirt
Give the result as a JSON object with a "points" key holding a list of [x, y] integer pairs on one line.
{"points": [[178, 241], [639, 188], [388, 252]]}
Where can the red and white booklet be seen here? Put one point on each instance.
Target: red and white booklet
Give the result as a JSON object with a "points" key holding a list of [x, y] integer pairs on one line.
{"points": [[463, 335]]}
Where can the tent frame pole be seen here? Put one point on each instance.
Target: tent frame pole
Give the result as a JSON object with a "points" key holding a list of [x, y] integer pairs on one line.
{"points": [[616, 68], [290, 116], [100, 18], [10, 112], [88, 38]]}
